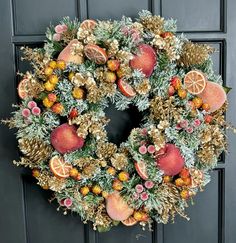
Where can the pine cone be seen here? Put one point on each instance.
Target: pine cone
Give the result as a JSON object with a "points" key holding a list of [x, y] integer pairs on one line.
{"points": [[194, 54], [34, 149]]}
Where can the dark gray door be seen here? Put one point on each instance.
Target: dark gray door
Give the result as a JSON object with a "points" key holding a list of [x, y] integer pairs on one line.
{"points": [[25, 214]]}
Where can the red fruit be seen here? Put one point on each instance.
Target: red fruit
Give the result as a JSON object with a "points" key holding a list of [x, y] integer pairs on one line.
{"points": [[141, 169], [166, 34], [171, 162], [117, 208], [144, 60], [74, 113], [65, 139], [67, 56], [184, 173], [214, 95], [208, 118], [176, 82], [113, 65], [125, 88], [171, 90]]}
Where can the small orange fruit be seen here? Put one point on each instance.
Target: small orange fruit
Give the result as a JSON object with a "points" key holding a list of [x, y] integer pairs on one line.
{"points": [[105, 194], [52, 64], [48, 71], [49, 86], [47, 103], [166, 179], [123, 176], [57, 108], [84, 190], [111, 171], [78, 93], [166, 34], [187, 181], [184, 173], [206, 107], [138, 216], [74, 172], [45, 187], [61, 64], [179, 182], [197, 102], [117, 185], [176, 82], [120, 73], [52, 97], [184, 194], [35, 173], [53, 79], [113, 65], [96, 189], [182, 93], [78, 177], [208, 118], [71, 75]]}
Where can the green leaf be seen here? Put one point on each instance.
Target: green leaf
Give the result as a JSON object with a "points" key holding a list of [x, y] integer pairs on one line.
{"points": [[102, 229], [226, 89]]}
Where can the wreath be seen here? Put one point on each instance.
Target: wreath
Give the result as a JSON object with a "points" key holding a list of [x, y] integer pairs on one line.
{"points": [[61, 123]]}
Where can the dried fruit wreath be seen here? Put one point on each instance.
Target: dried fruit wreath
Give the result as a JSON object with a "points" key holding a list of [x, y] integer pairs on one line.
{"points": [[81, 69]]}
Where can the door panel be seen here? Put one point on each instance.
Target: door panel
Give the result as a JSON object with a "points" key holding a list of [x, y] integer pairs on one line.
{"points": [[27, 216]]}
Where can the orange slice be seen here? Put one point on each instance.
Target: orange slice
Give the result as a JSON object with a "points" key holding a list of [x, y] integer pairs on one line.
{"points": [[129, 221], [88, 24], [141, 169], [125, 88], [195, 82], [23, 90], [59, 167], [95, 53]]}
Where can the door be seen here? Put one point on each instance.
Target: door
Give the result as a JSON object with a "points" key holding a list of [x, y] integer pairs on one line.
{"points": [[25, 214]]}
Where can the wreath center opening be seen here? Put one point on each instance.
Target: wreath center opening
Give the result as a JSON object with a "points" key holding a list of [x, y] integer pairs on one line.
{"points": [[121, 123]]}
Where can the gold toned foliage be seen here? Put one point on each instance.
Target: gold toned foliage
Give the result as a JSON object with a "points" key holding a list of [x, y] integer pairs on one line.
{"points": [[162, 109], [106, 150], [194, 54], [35, 150], [154, 24], [119, 161]]}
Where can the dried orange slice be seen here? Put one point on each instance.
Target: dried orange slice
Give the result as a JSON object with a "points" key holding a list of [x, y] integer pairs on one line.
{"points": [[95, 53], [141, 169], [129, 221], [195, 82], [125, 88], [59, 167], [88, 24], [23, 90]]}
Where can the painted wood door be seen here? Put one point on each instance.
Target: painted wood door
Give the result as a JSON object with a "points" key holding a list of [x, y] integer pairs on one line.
{"points": [[25, 214]]}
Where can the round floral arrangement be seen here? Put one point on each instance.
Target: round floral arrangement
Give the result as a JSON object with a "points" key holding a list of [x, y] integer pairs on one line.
{"points": [[84, 67]]}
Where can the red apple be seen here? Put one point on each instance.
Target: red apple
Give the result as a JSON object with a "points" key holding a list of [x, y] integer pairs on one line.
{"points": [[144, 60], [67, 56], [171, 162], [65, 139], [117, 208]]}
